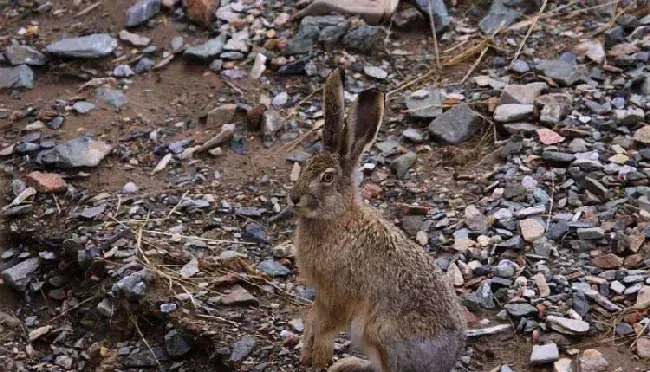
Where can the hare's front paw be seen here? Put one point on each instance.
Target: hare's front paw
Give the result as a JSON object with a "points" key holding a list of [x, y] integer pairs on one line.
{"points": [[306, 356]]}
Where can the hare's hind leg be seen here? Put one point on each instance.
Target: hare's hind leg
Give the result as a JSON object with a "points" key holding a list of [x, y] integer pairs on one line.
{"points": [[352, 364]]}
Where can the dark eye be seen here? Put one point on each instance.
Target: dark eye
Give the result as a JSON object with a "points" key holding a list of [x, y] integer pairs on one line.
{"points": [[327, 177]]}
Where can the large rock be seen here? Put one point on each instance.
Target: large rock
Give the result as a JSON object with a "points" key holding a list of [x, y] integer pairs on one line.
{"points": [[242, 348], [46, 182], [593, 361], [425, 103], [362, 38], [176, 344], [25, 55], [91, 46], [544, 354], [512, 112], [401, 164], [522, 94], [79, 152], [18, 276], [205, 52], [16, 77], [567, 326], [457, 125], [438, 10], [141, 12], [562, 72], [499, 17], [112, 97]]}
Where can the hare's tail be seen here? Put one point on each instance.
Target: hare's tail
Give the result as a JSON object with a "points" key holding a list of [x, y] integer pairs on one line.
{"points": [[351, 364]]}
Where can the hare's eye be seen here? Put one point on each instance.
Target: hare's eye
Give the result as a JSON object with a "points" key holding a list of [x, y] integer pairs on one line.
{"points": [[327, 177]]}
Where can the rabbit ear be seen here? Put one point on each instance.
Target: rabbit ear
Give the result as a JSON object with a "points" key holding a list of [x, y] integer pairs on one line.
{"points": [[334, 110], [365, 120]]}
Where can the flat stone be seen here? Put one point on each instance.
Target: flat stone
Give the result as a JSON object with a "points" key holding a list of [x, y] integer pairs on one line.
{"points": [[112, 97], [205, 52], [361, 38], [176, 345], [46, 182], [141, 11], [79, 152], [499, 17], [562, 72], [18, 276], [242, 348], [513, 112], [591, 233], [401, 164], [562, 365], [475, 220], [273, 268], [643, 347], [521, 310], [531, 229], [641, 135], [83, 107], [238, 296], [592, 49], [25, 55], [425, 103], [567, 326], [134, 39], [522, 94], [607, 261], [456, 125], [16, 77], [593, 363], [88, 47], [544, 354], [542, 286]]}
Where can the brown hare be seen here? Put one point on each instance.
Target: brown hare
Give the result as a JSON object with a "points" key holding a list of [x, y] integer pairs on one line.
{"points": [[368, 276]]}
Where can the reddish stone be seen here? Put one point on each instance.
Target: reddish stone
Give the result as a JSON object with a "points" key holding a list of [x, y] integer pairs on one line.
{"points": [[471, 318], [607, 261], [202, 11], [46, 182], [633, 261], [254, 117]]}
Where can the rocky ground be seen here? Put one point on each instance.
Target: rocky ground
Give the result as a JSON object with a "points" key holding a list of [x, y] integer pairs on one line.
{"points": [[147, 149]]}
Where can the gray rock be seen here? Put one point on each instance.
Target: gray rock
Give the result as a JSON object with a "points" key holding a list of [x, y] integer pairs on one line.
{"points": [[457, 125], [25, 55], [558, 157], [18, 276], [544, 354], [521, 66], [134, 285], [145, 358], [591, 233], [425, 104], [273, 268], [272, 122], [499, 17], [255, 233], [242, 348], [362, 38], [123, 71], [112, 97], [176, 345], [375, 72], [141, 12], [322, 21], [516, 243], [83, 107], [331, 35], [135, 39], [567, 326], [105, 307], [521, 310], [298, 46], [438, 10], [16, 77], [413, 135], [513, 112], [79, 152], [308, 33], [144, 65], [562, 72], [593, 363], [403, 163], [205, 52], [624, 329], [482, 298], [176, 44], [89, 47]]}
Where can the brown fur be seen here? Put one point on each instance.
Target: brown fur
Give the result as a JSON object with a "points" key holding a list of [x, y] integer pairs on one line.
{"points": [[368, 276]]}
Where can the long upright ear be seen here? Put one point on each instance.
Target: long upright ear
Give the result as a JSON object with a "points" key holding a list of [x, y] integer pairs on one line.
{"points": [[334, 110], [364, 123]]}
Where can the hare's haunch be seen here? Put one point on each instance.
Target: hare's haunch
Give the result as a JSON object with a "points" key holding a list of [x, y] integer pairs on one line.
{"points": [[368, 276]]}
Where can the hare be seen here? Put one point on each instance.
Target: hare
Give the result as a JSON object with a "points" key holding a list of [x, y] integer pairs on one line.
{"points": [[399, 307]]}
